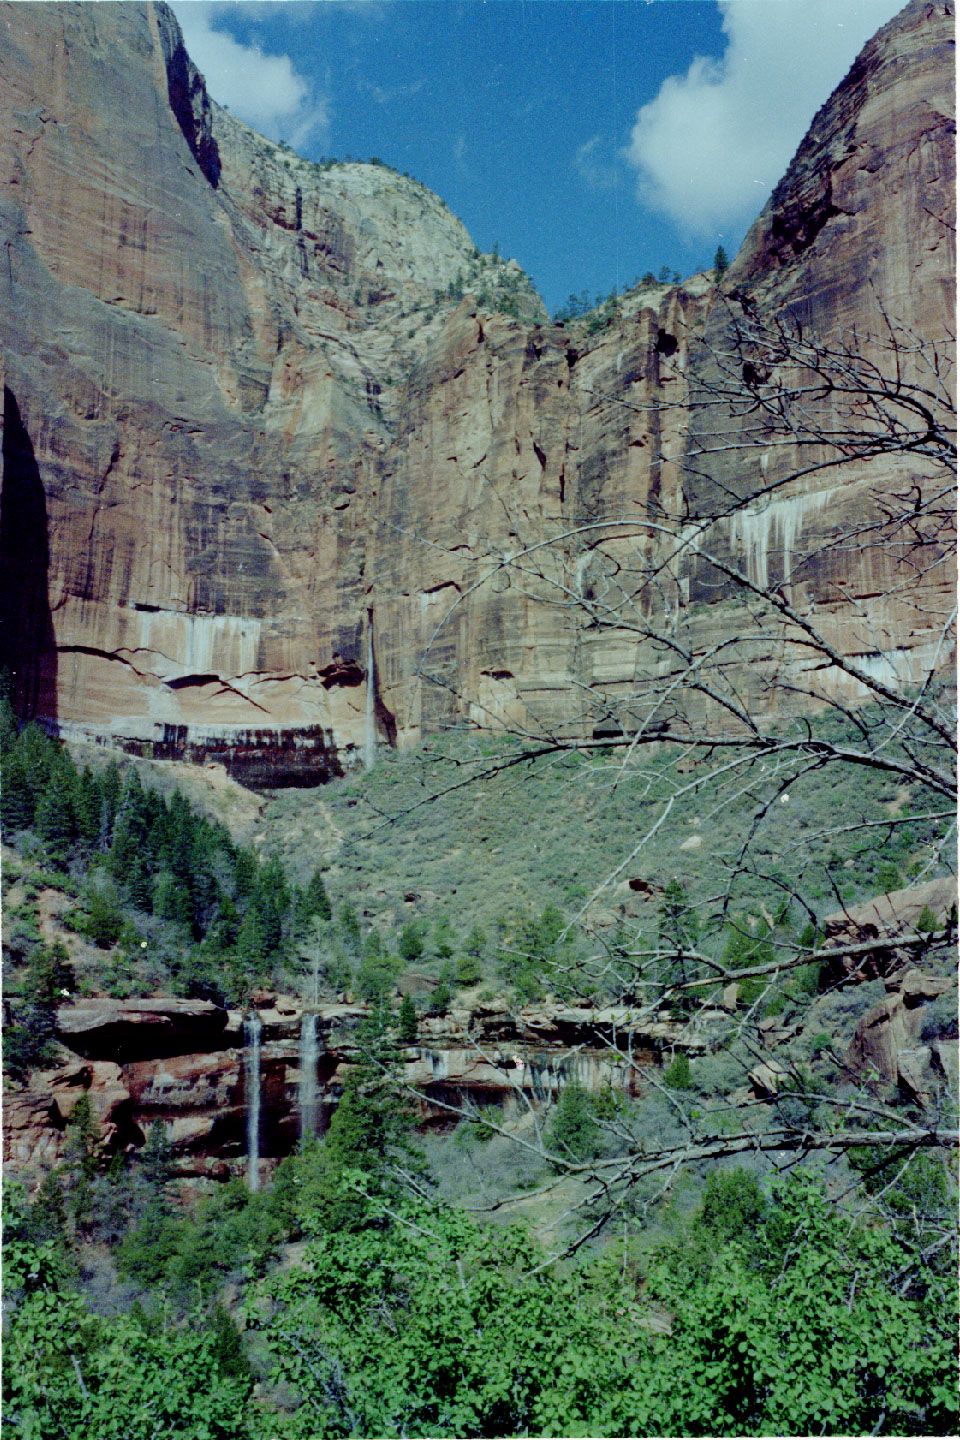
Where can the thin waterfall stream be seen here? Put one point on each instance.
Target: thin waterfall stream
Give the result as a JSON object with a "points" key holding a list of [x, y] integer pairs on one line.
{"points": [[370, 719], [308, 1077], [251, 1057]]}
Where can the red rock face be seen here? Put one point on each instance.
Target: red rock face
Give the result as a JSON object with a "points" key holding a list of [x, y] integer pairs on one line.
{"points": [[142, 1066], [887, 1043], [250, 488]]}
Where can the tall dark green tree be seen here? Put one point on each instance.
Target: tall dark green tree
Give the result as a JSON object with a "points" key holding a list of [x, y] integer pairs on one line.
{"points": [[316, 899]]}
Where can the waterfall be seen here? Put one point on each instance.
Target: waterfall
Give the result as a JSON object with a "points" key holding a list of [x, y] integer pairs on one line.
{"points": [[308, 1077], [251, 1041], [370, 725]]}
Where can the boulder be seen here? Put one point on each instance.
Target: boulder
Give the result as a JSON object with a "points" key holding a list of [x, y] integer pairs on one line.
{"points": [[886, 1040], [885, 916], [767, 1078], [35, 1117]]}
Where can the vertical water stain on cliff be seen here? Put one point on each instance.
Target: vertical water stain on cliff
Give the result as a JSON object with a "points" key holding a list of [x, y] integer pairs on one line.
{"points": [[27, 646]]}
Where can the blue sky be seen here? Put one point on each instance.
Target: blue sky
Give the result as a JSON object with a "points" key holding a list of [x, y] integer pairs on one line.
{"points": [[592, 140]]}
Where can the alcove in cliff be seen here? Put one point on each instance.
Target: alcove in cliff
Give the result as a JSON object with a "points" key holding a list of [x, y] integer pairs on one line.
{"points": [[27, 646]]}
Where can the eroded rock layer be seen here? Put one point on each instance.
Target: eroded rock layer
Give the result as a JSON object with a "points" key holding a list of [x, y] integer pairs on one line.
{"points": [[258, 457], [184, 1063]]}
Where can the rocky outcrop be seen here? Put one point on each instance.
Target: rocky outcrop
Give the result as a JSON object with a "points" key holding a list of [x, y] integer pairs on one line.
{"points": [[887, 917], [120, 1030], [887, 1043], [35, 1117], [256, 465], [144, 1065]]}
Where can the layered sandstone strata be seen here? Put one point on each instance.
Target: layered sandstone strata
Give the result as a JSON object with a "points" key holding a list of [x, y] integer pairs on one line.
{"points": [[265, 488], [183, 1063]]}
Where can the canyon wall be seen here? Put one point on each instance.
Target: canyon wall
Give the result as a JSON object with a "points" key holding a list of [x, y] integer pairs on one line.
{"points": [[275, 433], [184, 1064]]}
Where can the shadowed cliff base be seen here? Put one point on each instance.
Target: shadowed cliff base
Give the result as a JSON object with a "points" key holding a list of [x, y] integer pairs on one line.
{"points": [[27, 646]]}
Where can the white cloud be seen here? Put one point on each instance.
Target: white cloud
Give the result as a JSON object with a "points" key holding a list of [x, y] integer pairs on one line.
{"points": [[709, 148], [264, 90]]}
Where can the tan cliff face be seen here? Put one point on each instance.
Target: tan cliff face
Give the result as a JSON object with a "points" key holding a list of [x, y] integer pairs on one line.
{"points": [[266, 477]]}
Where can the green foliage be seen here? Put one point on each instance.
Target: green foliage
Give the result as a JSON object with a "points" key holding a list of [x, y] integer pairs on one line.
{"points": [[734, 1206], [327, 1182], [50, 978], [483, 1130], [927, 922], [574, 1132], [801, 1331], [28, 1037], [430, 1330], [156, 1157], [476, 942], [316, 899], [915, 1189], [678, 930], [411, 941], [349, 923], [748, 944], [104, 922], [407, 1021], [70, 1374], [142, 854], [377, 976], [443, 938], [190, 1255], [720, 264], [441, 997], [433, 1325], [28, 1042], [888, 876], [677, 1073], [531, 958], [467, 971]]}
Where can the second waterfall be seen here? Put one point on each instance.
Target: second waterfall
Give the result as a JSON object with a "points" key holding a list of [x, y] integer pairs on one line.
{"points": [[251, 1037], [308, 1077]]}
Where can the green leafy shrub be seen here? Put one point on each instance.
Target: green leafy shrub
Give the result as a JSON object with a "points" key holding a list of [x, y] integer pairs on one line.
{"points": [[677, 1073], [573, 1131]]}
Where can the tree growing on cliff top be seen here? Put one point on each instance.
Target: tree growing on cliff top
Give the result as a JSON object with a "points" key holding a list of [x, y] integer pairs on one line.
{"points": [[790, 614]]}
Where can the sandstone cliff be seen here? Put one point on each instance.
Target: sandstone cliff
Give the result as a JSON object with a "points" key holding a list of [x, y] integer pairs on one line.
{"points": [[183, 1063], [258, 456]]}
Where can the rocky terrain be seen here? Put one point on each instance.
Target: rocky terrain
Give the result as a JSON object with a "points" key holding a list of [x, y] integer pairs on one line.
{"points": [[268, 424], [187, 1063]]}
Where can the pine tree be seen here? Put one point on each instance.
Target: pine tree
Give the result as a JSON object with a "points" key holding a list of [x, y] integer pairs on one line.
{"points": [[411, 941], [316, 898], [88, 803], [574, 1132], [16, 797], [350, 927], [50, 975], [407, 1021], [54, 818], [8, 726]]}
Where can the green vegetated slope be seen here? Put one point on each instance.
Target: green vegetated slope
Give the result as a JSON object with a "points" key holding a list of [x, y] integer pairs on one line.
{"points": [[356, 1295], [593, 839]]}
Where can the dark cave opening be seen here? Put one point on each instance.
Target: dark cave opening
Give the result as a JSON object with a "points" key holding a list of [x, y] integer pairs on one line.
{"points": [[27, 645]]}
